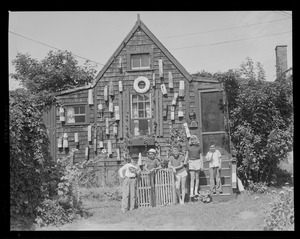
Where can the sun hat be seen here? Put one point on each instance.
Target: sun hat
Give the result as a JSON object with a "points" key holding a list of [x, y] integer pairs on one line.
{"points": [[152, 151]]}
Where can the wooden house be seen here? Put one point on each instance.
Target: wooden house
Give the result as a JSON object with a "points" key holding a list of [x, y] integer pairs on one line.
{"points": [[140, 93]]}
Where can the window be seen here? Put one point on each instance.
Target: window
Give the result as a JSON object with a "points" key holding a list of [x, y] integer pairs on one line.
{"points": [[141, 117], [140, 61], [76, 114]]}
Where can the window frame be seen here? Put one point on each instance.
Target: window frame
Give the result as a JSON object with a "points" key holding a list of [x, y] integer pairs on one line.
{"points": [[132, 119], [139, 52], [87, 113]]}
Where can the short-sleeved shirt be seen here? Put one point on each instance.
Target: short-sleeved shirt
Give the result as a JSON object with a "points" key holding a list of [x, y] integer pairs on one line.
{"points": [[126, 170], [150, 164], [193, 152], [214, 158], [176, 162]]}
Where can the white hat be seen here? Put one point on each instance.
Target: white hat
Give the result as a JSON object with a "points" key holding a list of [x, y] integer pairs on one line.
{"points": [[152, 151]]}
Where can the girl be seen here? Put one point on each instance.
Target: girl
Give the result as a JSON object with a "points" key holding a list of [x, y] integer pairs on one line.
{"points": [[176, 163], [195, 163]]}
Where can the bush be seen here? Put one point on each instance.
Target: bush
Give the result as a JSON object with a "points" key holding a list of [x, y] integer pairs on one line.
{"points": [[280, 215], [280, 177], [30, 160], [259, 188], [205, 196]]}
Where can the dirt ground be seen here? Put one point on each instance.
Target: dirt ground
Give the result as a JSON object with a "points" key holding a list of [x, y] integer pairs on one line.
{"points": [[244, 213]]}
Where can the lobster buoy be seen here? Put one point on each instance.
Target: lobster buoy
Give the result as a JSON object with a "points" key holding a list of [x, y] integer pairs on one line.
{"points": [[105, 93], [61, 114], [163, 89], [117, 112], [172, 113], [89, 133], [107, 127], [181, 88], [120, 86], [109, 147], [171, 85], [115, 129], [175, 99], [111, 107], [76, 138], [180, 111], [65, 141], [153, 80], [160, 68], [59, 142], [187, 131], [90, 97]]}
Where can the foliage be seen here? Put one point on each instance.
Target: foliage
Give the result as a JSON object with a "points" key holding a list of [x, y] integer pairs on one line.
{"points": [[261, 121], [280, 177], [205, 196], [176, 139], [56, 72], [280, 214], [30, 161], [257, 188]]}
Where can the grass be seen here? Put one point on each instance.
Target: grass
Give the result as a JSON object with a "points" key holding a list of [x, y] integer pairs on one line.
{"points": [[244, 213]]}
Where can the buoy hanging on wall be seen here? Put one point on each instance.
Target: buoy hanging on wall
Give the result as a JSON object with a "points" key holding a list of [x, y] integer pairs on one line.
{"points": [[100, 107], [115, 129], [140, 159], [105, 93], [172, 113], [180, 111], [111, 88], [187, 131], [76, 138], [181, 88], [61, 114], [107, 127], [65, 141], [120, 64], [165, 111], [174, 101], [89, 133], [95, 139], [86, 153], [90, 96], [111, 106], [143, 89], [120, 86], [153, 80], [117, 112], [171, 85], [59, 142], [163, 89], [160, 68], [109, 147], [118, 154]]}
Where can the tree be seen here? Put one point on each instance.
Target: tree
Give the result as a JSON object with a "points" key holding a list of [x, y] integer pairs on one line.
{"points": [[56, 72], [261, 120]]}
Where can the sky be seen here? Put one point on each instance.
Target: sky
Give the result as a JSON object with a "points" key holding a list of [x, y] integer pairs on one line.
{"points": [[214, 41]]}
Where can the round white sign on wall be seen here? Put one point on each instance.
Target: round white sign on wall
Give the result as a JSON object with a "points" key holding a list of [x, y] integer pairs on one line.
{"points": [[141, 84]]}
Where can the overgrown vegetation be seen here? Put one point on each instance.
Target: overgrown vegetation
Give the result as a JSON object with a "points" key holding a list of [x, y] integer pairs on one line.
{"points": [[260, 119], [280, 214]]}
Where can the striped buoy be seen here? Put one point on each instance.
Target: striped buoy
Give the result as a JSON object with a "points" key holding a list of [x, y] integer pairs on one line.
{"points": [[120, 86], [180, 111], [172, 113], [174, 101], [109, 147], [105, 93], [59, 142], [163, 89], [160, 68]]}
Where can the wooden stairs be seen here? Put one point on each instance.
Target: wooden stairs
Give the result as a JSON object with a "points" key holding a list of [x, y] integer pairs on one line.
{"points": [[226, 180]]}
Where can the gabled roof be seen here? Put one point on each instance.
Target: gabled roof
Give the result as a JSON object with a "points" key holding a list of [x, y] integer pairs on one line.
{"points": [[138, 24]]}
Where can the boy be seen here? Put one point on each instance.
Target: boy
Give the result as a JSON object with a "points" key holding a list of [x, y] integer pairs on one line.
{"points": [[215, 163], [129, 173], [151, 162], [176, 163]]}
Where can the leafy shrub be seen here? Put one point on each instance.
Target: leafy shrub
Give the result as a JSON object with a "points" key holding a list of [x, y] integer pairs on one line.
{"points": [[259, 188], [205, 196], [280, 177], [280, 214], [30, 160]]}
